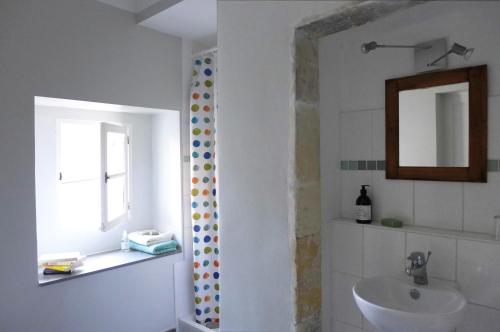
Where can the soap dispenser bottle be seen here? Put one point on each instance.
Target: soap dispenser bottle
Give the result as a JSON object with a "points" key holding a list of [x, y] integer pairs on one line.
{"points": [[363, 209], [124, 244]]}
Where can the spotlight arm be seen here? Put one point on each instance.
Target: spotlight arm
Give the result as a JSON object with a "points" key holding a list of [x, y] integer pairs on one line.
{"points": [[437, 60], [368, 47], [455, 49], [403, 46]]}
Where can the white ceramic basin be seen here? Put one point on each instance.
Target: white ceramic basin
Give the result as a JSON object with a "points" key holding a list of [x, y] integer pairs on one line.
{"points": [[388, 304]]}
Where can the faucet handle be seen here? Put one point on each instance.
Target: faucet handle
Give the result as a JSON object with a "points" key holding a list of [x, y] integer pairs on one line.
{"points": [[411, 266], [418, 258], [417, 268], [429, 253]]}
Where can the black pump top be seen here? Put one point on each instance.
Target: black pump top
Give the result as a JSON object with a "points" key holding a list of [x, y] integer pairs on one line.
{"points": [[363, 189]]}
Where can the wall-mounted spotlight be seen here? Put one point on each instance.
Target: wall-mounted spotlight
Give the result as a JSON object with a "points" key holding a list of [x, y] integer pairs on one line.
{"points": [[368, 47], [457, 49]]}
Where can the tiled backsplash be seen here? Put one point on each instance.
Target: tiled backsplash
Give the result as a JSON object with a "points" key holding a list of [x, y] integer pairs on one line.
{"points": [[357, 251], [379, 165]]}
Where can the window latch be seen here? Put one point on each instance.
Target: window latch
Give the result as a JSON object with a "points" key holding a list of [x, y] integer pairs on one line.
{"points": [[106, 177], [60, 176]]}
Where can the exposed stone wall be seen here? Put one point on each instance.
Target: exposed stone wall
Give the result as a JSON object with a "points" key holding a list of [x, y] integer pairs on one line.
{"points": [[307, 185]]}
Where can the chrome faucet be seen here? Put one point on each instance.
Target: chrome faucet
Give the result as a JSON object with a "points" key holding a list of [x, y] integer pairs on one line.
{"points": [[418, 267]]}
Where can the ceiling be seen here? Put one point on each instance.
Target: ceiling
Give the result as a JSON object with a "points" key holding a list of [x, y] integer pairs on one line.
{"points": [[191, 19]]}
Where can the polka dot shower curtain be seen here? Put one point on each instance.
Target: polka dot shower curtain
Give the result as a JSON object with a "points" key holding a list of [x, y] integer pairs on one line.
{"points": [[203, 192]]}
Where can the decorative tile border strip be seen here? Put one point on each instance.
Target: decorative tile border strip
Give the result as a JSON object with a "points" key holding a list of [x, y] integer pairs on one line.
{"points": [[379, 165], [362, 165], [493, 165]]}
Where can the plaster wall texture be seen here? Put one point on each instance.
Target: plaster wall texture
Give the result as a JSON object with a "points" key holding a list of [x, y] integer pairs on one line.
{"points": [[80, 50]]}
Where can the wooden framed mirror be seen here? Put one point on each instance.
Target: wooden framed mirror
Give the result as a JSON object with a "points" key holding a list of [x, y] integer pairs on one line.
{"points": [[436, 126]]}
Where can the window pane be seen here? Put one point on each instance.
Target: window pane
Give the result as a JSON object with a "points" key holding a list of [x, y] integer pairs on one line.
{"points": [[80, 204], [117, 200], [79, 150], [115, 153]]}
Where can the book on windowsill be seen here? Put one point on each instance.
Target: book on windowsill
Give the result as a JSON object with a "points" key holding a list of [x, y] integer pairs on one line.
{"points": [[62, 267], [51, 272], [60, 263]]}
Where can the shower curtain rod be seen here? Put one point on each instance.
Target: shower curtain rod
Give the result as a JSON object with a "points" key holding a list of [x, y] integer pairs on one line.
{"points": [[210, 50]]}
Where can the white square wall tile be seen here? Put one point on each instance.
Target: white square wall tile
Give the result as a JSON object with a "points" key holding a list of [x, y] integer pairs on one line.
{"points": [[493, 127], [378, 134], [344, 307], [392, 198], [480, 319], [327, 246], [341, 327], [356, 135], [330, 135], [330, 195], [478, 272], [443, 258], [367, 326], [351, 182], [481, 204], [383, 252], [326, 300], [439, 204], [326, 279], [347, 252]]}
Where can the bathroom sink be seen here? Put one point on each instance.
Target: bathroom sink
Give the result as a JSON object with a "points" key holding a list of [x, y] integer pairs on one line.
{"points": [[394, 304]]}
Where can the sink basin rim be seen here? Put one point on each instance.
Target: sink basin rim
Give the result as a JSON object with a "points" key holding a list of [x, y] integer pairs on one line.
{"points": [[463, 301]]}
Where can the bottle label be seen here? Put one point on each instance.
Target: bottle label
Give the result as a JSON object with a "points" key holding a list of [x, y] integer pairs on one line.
{"points": [[363, 212]]}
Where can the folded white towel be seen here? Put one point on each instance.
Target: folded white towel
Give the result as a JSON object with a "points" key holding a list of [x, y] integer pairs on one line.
{"points": [[149, 237]]}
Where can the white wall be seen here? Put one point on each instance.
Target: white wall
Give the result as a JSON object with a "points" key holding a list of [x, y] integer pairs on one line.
{"points": [[183, 271], [166, 174], [254, 135], [52, 236], [83, 50], [352, 92]]}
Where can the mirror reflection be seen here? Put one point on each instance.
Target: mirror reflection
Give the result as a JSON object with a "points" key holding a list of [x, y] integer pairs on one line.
{"points": [[434, 126]]}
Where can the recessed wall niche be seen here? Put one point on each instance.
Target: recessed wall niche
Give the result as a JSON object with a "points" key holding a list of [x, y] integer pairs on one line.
{"points": [[69, 178]]}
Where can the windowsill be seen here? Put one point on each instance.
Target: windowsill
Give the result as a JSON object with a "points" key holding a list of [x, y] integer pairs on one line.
{"points": [[106, 261]]}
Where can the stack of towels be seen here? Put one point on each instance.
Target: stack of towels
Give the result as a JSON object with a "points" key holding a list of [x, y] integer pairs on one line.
{"points": [[152, 242]]}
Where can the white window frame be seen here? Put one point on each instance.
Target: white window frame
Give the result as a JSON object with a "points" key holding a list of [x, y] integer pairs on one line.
{"points": [[105, 128]]}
